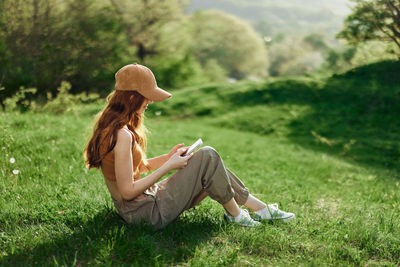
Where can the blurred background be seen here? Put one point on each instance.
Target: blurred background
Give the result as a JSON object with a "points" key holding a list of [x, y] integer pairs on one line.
{"points": [[185, 43]]}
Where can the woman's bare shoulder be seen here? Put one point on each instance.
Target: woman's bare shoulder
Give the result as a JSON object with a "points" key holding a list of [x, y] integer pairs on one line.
{"points": [[124, 138]]}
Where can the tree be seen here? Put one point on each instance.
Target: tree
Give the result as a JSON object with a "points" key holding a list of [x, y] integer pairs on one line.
{"points": [[316, 41], [293, 55], [145, 20], [373, 20], [43, 42], [230, 42]]}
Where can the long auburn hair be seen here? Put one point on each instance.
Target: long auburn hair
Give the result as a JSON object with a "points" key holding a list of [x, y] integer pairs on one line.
{"points": [[122, 109]]}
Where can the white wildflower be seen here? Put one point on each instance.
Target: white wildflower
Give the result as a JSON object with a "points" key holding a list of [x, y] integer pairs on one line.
{"points": [[15, 172], [12, 160], [158, 113]]}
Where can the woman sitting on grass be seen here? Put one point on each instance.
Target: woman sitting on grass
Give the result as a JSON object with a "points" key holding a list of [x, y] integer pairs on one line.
{"points": [[118, 147]]}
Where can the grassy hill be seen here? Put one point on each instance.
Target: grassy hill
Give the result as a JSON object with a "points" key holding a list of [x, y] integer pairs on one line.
{"points": [[352, 115], [325, 149]]}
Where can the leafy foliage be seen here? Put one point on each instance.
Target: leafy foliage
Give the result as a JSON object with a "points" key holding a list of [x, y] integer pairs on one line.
{"points": [[145, 21], [176, 71], [21, 101], [45, 42], [230, 41], [370, 20], [343, 59], [292, 55], [64, 101]]}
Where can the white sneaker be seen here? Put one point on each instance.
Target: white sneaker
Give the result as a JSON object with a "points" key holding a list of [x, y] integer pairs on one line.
{"points": [[271, 212], [243, 219]]}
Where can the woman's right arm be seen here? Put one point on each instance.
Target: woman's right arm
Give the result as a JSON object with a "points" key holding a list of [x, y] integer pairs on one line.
{"points": [[128, 188]]}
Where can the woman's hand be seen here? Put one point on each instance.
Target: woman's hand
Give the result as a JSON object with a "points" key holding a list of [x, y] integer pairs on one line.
{"points": [[173, 151], [177, 161]]}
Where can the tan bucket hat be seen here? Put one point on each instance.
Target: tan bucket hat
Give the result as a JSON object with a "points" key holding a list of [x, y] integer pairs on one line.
{"points": [[136, 77]]}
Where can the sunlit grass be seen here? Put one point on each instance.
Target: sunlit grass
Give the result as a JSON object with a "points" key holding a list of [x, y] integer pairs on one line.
{"points": [[352, 115], [54, 211]]}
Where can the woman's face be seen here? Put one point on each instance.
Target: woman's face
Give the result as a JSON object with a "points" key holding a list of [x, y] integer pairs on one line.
{"points": [[146, 102]]}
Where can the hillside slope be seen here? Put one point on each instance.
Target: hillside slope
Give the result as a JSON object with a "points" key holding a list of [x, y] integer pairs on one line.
{"points": [[353, 115]]}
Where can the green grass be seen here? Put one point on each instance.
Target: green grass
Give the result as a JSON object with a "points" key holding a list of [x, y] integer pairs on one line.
{"points": [[346, 198], [353, 115]]}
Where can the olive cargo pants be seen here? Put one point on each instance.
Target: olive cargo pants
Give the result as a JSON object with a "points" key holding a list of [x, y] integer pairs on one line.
{"points": [[164, 201]]}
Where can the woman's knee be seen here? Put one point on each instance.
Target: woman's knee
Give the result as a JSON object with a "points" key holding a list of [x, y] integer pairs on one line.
{"points": [[205, 155], [209, 154], [207, 150]]}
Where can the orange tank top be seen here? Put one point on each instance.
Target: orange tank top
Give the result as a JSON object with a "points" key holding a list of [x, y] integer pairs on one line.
{"points": [[108, 167]]}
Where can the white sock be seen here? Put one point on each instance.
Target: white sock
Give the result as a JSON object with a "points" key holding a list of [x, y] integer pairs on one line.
{"points": [[239, 215]]}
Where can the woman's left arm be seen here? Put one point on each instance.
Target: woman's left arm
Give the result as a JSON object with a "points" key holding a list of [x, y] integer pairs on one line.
{"points": [[157, 162]]}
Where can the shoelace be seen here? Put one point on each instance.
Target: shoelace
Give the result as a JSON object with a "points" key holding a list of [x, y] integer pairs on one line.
{"points": [[247, 215], [275, 212]]}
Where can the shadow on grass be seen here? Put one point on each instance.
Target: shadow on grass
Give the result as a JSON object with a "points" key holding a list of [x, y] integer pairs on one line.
{"points": [[353, 115], [105, 239]]}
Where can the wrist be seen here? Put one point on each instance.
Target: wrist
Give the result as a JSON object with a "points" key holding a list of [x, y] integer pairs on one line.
{"points": [[164, 169]]}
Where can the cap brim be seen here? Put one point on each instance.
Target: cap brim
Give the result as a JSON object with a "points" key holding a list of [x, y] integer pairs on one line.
{"points": [[157, 94]]}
